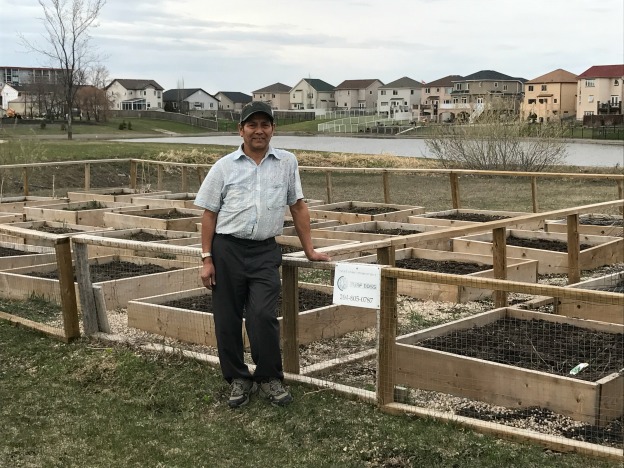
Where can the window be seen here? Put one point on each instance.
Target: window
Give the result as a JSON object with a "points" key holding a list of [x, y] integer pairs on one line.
{"points": [[531, 101], [383, 92], [543, 101], [480, 84], [464, 100], [530, 87], [411, 91], [544, 87], [616, 83], [590, 98], [496, 84], [467, 86], [555, 101], [427, 90], [590, 83], [158, 95], [458, 86], [384, 103], [615, 100], [144, 93], [395, 92], [588, 113], [504, 87]]}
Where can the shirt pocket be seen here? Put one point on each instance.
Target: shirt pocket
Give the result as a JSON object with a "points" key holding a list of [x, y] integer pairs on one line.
{"points": [[276, 197]]}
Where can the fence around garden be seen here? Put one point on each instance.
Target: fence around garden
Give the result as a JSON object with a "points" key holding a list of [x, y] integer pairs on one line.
{"points": [[119, 279]]}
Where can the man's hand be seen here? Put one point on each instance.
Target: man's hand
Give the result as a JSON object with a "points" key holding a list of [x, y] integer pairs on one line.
{"points": [[315, 256], [208, 274]]}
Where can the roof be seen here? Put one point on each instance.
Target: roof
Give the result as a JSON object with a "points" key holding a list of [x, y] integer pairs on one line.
{"points": [[356, 84], [603, 71], [136, 84], [404, 82], [274, 88], [319, 85], [444, 82], [490, 75], [181, 93], [236, 96], [556, 76]]}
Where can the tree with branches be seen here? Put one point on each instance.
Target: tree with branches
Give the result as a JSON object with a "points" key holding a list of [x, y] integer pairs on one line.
{"points": [[67, 43], [498, 140]]}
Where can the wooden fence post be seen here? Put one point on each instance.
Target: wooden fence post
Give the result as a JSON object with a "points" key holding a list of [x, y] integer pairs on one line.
{"points": [[620, 189], [290, 318], [87, 299], [386, 187], [185, 184], [386, 256], [87, 177], [386, 356], [499, 245], [25, 181], [534, 194], [133, 174], [159, 183], [201, 175], [69, 305], [574, 248], [328, 186], [454, 190]]}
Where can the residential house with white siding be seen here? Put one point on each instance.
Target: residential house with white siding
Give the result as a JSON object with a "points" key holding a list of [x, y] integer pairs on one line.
{"points": [[276, 95], [400, 99], [312, 93], [357, 94], [135, 94], [600, 91]]}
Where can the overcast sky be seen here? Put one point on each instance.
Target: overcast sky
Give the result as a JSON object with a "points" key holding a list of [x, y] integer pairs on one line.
{"points": [[243, 45]]}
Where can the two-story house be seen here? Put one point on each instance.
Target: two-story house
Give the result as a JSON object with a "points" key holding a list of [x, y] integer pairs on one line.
{"points": [[357, 94], [435, 93], [232, 100], [312, 93], [600, 91], [189, 99], [400, 99], [276, 95], [134, 94], [550, 97], [484, 89]]}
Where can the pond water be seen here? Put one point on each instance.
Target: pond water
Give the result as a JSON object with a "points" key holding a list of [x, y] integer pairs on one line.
{"points": [[577, 153]]}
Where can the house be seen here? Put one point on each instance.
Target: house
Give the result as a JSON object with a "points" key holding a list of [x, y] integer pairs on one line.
{"points": [[276, 95], [550, 97], [474, 93], [312, 93], [8, 93], [135, 94], [357, 94], [188, 99], [435, 93], [400, 99], [600, 91], [232, 100], [30, 75]]}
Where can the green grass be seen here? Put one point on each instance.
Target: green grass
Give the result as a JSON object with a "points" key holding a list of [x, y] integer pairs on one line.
{"points": [[91, 404]]}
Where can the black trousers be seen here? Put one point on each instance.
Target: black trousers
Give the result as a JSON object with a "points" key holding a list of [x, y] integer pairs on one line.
{"points": [[247, 285]]}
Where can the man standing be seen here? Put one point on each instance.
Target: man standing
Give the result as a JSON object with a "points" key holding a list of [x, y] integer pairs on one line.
{"points": [[244, 196]]}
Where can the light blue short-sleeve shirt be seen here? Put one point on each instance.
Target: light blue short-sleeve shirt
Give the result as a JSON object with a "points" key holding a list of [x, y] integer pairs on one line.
{"points": [[250, 198]]}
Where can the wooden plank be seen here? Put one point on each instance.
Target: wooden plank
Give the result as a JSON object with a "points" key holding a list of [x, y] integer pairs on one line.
{"points": [[87, 176], [328, 186], [386, 256], [133, 174], [386, 186], [611, 404], [71, 325], [26, 191], [85, 288], [386, 348], [290, 316], [333, 321], [184, 177], [159, 183], [40, 327], [534, 201], [100, 309], [338, 362], [574, 247], [499, 252], [454, 179]]}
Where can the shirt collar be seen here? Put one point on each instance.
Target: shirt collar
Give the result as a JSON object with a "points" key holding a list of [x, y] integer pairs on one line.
{"points": [[270, 151]]}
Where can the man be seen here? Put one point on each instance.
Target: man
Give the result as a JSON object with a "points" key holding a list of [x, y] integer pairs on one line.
{"points": [[244, 196]]}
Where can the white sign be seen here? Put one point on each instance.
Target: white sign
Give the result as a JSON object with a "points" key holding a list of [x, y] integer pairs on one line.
{"points": [[357, 284]]}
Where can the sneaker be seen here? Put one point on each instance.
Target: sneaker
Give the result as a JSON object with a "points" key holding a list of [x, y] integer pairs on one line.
{"points": [[241, 389], [274, 391]]}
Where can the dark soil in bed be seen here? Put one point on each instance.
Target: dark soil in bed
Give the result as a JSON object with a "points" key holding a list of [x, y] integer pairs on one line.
{"points": [[474, 217], [601, 221], [367, 210], [541, 244], [390, 232], [55, 230], [308, 300], [8, 252], [441, 266], [538, 345], [616, 288], [111, 271], [173, 214], [142, 236]]}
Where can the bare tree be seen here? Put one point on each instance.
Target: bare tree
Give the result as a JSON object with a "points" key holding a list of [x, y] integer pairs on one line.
{"points": [[68, 43], [92, 98], [498, 140]]}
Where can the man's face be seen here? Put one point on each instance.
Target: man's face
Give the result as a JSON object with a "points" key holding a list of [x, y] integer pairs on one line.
{"points": [[256, 133]]}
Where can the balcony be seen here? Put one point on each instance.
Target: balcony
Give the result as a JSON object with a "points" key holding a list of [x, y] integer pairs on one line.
{"points": [[609, 108]]}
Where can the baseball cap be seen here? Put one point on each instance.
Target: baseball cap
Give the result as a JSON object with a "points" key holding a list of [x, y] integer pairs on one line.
{"points": [[253, 107]]}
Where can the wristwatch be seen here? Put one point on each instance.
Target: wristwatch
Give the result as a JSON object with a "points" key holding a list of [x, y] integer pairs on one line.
{"points": [[205, 255]]}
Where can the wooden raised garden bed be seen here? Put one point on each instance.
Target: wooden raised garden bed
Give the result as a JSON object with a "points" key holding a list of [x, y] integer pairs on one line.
{"points": [[356, 212], [164, 219], [588, 310], [167, 315], [526, 361], [88, 213], [548, 248], [17, 204], [143, 235], [466, 217], [114, 194], [167, 200], [479, 266], [121, 279], [593, 224], [21, 255], [6, 218]]}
